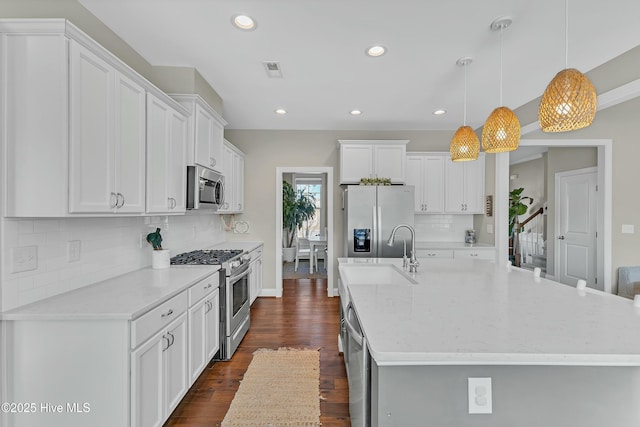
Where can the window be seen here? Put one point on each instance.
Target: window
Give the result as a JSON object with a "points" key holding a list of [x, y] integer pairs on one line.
{"points": [[313, 186]]}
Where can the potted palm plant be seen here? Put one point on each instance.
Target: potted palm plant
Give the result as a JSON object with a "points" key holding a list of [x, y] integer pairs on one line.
{"points": [[297, 207]]}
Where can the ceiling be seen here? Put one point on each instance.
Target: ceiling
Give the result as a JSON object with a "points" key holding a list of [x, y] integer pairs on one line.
{"points": [[320, 45]]}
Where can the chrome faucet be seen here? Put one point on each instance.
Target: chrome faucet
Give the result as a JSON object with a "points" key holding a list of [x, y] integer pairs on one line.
{"points": [[413, 261]]}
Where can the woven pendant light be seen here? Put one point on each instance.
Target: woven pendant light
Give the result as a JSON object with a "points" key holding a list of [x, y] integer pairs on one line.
{"points": [[570, 101], [501, 131], [464, 145]]}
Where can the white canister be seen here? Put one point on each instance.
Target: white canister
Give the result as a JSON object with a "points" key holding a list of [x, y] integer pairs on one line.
{"points": [[160, 259]]}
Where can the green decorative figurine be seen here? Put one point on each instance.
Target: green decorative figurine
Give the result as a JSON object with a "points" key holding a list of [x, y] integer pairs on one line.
{"points": [[155, 239]]}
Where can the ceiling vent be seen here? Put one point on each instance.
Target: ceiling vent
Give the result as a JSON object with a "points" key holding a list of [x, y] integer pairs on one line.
{"points": [[273, 69]]}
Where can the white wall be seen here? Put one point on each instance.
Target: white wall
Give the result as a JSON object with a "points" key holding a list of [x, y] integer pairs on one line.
{"points": [[109, 247]]}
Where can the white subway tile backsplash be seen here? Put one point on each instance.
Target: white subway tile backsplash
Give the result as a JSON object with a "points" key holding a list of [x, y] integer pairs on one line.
{"points": [[442, 228], [109, 247]]}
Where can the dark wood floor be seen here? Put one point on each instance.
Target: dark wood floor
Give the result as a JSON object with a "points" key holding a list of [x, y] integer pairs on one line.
{"points": [[303, 317]]}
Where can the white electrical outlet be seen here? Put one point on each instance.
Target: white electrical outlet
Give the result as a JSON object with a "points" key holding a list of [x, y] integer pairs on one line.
{"points": [[73, 250], [480, 396], [143, 240], [24, 258], [489, 228]]}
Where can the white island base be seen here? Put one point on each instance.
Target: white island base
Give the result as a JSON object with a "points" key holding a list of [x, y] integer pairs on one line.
{"points": [[557, 356]]}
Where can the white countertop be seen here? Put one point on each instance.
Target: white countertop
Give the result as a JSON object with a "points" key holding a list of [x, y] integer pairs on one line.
{"points": [[123, 297], [476, 312]]}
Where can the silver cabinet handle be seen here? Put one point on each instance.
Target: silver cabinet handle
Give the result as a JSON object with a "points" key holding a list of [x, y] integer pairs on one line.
{"points": [[173, 338], [118, 196], [560, 237], [209, 285], [114, 196], [212, 161], [168, 313], [164, 337]]}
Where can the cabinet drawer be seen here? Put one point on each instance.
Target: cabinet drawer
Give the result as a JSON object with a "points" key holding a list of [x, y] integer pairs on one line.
{"points": [[148, 324], [203, 288], [487, 254], [434, 253]]}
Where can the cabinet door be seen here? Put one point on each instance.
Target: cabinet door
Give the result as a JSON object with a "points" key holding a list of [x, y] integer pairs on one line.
{"points": [[166, 158], [238, 184], [216, 143], [91, 157], [157, 159], [454, 182], [147, 373], [177, 179], [474, 186], [203, 136], [229, 189], [389, 162], [130, 135], [433, 185], [415, 177], [212, 321], [356, 161], [197, 339], [176, 363]]}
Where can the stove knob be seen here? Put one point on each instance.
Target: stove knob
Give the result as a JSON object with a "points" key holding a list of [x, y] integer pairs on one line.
{"points": [[234, 264], [246, 257]]}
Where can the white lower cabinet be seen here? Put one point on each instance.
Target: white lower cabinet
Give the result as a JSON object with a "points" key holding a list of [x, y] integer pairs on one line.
{"points": [[204, 325], [110, 371], [475, 253], [255, 279], [159, 375], [434, 253]]}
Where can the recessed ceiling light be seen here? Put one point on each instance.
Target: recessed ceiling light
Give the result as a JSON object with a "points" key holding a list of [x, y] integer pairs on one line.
{"points": [[355, 112], [243, 22], [280, 111], [375, 51], [439, 112]]}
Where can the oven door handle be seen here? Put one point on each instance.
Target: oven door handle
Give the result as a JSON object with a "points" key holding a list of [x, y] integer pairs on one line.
{"points": [[233, 279]]}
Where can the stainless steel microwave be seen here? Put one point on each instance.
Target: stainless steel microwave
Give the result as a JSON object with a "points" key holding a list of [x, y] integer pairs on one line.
{"points": [[205, 188]]}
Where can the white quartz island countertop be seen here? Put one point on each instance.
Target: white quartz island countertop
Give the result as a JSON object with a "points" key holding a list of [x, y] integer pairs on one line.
{"points": [[472, 312], [123, 297]]}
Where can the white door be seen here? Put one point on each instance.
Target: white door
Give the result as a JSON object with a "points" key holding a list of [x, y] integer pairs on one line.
{"points": [[212, 329], [157, 155], [414, 176], [197, 339], [433, 186], [576, 226]]}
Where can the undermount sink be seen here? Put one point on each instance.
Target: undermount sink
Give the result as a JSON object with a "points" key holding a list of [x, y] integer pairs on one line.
{"points": [[374, 275]]}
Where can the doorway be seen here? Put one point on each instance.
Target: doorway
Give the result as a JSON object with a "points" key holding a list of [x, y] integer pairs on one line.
{"points": [[604, 202], [326, 173]]}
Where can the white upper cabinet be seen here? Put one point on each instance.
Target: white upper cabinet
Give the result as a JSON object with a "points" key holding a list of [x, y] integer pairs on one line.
{"points": [[206, 133], [464, 183], [426, 174], [233, 171], [107, 140], [166, 158], [372, 159], [75, 128]]}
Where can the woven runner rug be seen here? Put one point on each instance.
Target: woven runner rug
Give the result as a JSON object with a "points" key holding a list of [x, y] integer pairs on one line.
{"points": [[281, 388]]}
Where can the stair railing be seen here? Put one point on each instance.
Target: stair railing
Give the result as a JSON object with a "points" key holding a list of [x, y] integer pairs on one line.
{"points": [[515, 243]]}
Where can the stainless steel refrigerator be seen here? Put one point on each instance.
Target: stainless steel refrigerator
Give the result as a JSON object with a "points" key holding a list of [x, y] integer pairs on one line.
{"points": [[370, 213]]}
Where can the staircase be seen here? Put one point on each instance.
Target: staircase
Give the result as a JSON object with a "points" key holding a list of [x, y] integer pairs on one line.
{"points": [[529, 250]]}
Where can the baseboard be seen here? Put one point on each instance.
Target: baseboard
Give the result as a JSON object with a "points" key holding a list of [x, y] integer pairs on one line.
{"points": [[271, 293]]}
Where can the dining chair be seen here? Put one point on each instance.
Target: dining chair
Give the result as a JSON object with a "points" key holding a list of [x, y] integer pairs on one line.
{"points": [[303, 250]]}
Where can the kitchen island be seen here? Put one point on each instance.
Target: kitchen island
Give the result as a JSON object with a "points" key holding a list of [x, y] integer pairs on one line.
{"points": [[556, 355]]}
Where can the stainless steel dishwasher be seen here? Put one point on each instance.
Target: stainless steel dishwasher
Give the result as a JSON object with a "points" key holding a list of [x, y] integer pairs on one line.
{"points": [[358, 371]]}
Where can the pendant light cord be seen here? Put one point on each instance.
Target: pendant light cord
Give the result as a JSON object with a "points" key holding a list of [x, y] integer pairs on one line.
{"points": [[501, 30], [566, 34], [464, 121]]}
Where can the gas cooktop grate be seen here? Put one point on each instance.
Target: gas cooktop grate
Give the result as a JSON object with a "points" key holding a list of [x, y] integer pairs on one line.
{"points": [[205, 257]]}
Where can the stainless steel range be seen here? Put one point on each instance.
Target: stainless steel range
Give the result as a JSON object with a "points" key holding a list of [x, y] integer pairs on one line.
{"points": [[234, 293]]}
